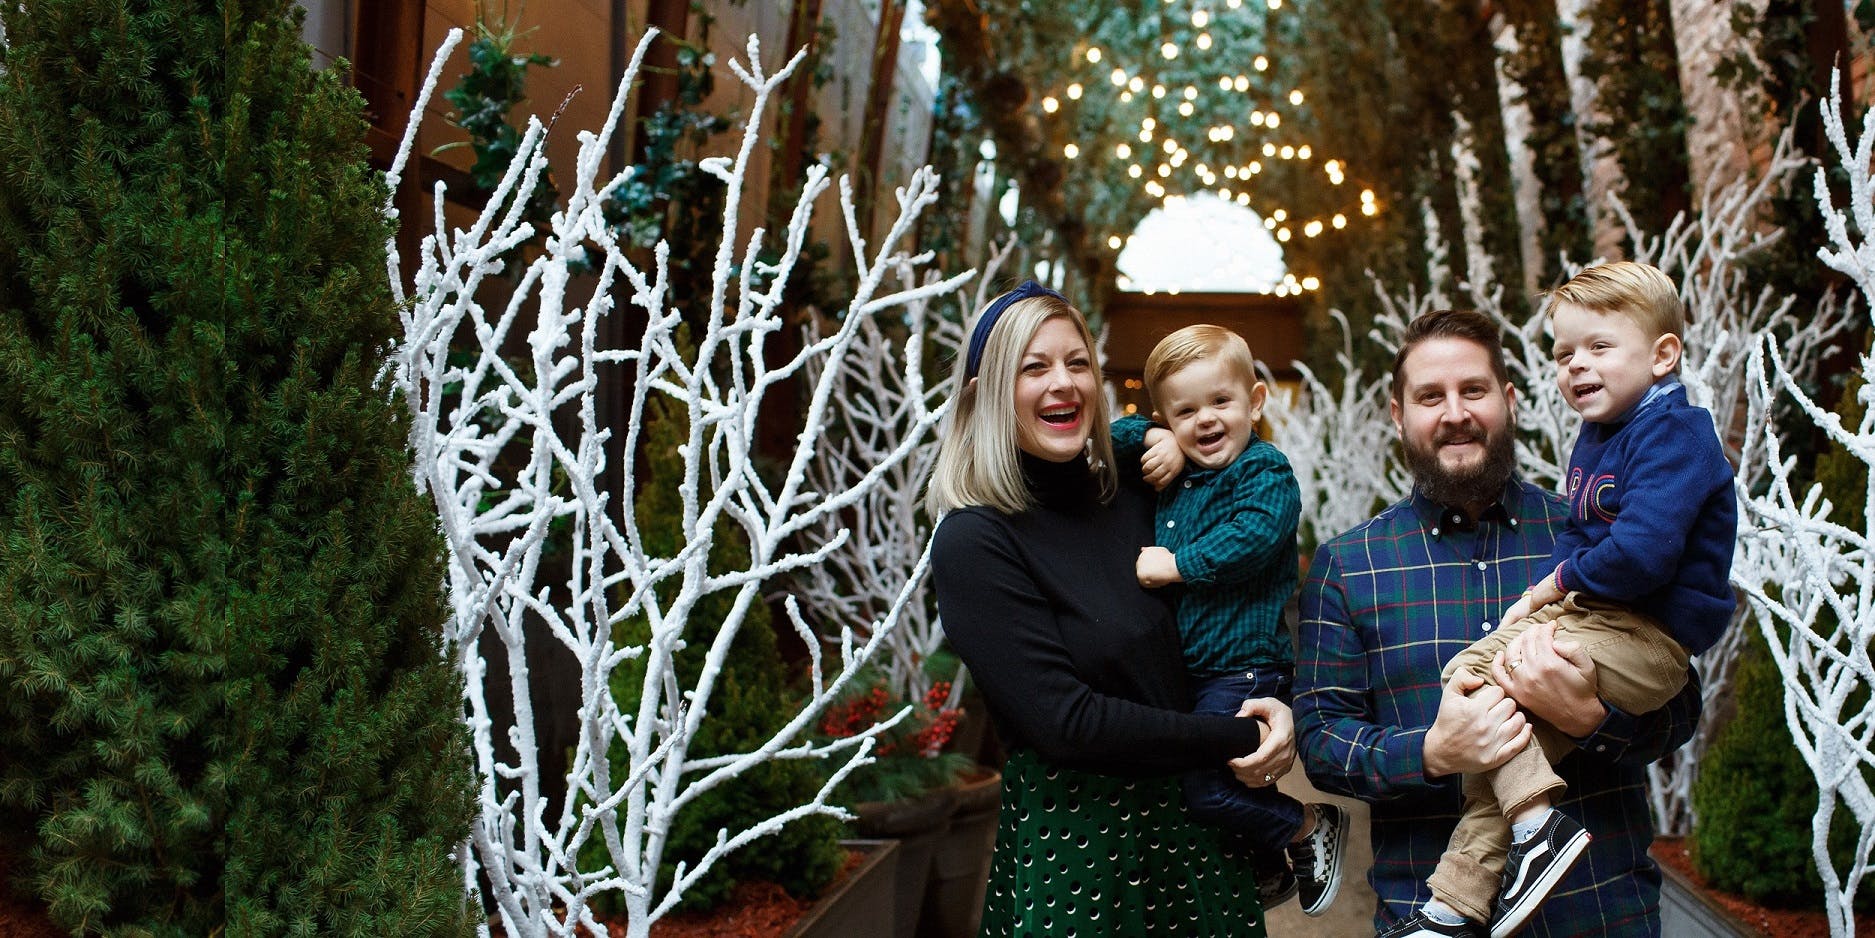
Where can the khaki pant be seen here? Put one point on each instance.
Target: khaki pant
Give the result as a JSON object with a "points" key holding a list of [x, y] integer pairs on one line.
{"points": [[1638, 668]]}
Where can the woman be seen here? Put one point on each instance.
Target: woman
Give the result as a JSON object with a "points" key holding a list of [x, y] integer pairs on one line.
{"points": [[1033, 563]]}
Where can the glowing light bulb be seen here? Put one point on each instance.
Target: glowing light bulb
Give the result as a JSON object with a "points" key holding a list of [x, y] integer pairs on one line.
{"points": [[1243, 198], [1280, 214], [1340, 221], [1311, 284], [1126, 96], [1269, 149], [1113, 241], [1137, 85], [1200, 17], [1274, 120], [1255, 167], [1134, 171], [1303, 152], [1204, 40], [1145, 136], [1223, 83], [1158, 91], [1269, 223], [1230, 172], [1122, 151], [1295, 97], [1201, 169], [1074, 91], [1191, 93], [1118, 76], [1164, 170], [1256, 118], [1071, 151], [1050, 105], [1171, 146], [1369, 209], [1148, 124], [1261, 63], [1241, 83], [1185, 109], [1169, 50], [1287, 152], [1313, 228], [1367, 195], [1276, 4], [1282, 234], [1093, 55]]}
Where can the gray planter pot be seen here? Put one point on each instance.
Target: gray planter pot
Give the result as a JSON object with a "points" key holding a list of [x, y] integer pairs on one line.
{"points": [[861, 905]]}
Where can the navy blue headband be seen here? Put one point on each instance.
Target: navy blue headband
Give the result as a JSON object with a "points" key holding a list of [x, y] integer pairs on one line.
{"points": [[986, 322]]}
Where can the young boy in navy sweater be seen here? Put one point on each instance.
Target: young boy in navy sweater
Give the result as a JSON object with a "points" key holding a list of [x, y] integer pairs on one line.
{"points": [[1640, 583], [1226, 528]]}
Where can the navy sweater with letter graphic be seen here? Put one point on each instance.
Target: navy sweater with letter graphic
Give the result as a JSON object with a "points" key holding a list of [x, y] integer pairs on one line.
{"points": [[1652, 519]]}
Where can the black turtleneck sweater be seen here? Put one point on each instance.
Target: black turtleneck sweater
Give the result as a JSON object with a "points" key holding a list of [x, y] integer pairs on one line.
{"points": [[1075, 660]]}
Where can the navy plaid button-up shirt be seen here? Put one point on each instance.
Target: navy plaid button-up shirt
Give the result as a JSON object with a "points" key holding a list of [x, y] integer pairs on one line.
{"points": [[1384, 607]]}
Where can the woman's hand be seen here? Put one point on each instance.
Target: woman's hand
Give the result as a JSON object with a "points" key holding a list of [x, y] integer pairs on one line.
{"points": [[1276, 754]]}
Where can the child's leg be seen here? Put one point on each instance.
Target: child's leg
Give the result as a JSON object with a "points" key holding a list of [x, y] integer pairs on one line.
{"points": [[1638, 666], [1264, 818], [1466, 878], [1477, 658]]}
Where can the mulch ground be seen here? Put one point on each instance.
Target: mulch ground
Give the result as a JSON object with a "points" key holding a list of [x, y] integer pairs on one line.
{"points": [[1777, 923]]}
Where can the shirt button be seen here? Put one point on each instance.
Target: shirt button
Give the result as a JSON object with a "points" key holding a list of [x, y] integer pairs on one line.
{"points": [[1170, 523], [1435, 532], [1487, 626], [1481, 565], [1188, 483], [1601, 747], [1513, 522]]}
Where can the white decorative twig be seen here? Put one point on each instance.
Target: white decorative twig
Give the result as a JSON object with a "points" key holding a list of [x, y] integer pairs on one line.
{"points": [[510, 447], [1811, 574]]}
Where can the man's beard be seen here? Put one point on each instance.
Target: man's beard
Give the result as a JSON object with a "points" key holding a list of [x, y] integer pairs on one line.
{"points": [[1480, 483]]}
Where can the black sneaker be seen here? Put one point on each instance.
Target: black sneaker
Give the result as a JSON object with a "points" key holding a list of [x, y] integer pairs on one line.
{"points": [[1275, 886], [1317, 858], [1533, 868], [1419, 926]]}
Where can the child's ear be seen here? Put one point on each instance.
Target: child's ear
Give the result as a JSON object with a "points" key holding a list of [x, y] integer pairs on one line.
{"points": [[1259, 395], [1666, 355]]}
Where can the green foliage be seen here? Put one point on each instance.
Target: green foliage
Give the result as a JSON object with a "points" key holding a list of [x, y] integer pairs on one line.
{"points": [[222, 701], [1754, 797], [495, 83], [751, 702], [1634, 64]]}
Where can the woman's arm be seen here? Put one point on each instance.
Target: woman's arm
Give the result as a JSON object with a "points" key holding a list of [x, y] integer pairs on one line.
{"points": [[1003, 628]]}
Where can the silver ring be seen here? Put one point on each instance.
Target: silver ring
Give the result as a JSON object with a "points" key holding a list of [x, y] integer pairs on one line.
{"points": [[1512, 666]]}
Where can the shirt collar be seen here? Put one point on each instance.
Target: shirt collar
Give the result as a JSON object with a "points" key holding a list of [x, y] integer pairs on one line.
{"points": [[1439, 520], [1656, 391]]}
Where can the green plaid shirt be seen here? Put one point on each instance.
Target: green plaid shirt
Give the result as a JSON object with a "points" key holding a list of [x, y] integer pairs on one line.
{"points": [[1233, 532], [1384, 607]]}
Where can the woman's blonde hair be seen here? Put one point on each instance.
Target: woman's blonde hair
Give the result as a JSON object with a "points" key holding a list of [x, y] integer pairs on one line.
{"points": [[979, 458]]}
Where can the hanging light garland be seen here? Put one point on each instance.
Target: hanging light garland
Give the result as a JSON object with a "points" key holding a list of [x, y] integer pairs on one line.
{"points": [[1242, 136]]}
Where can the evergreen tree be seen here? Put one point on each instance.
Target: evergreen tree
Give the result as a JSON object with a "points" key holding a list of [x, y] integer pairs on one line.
{"points": [[222, 704]]}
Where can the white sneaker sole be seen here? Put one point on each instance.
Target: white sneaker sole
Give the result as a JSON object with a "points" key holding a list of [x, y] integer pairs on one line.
{"points": [[1335, 856]]}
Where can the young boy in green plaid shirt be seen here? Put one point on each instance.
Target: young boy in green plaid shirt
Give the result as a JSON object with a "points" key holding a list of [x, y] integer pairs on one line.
{"points": [[1226, 523]]}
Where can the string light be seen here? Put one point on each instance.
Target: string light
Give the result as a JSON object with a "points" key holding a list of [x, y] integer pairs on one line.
{"points": [[1200, 18], [1261, 63], [1119, 76], [1295, 97], [1093, 55], [1122, 151], [1050, 105], [1204, 40], [1071, 151], [1074, 91], [1158, 91], [1113, 241], [1169, 50]]}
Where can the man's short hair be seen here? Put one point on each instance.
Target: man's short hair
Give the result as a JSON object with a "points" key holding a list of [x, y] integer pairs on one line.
{"points": [[1640, 292], [1452, 324], [1177, 351]]}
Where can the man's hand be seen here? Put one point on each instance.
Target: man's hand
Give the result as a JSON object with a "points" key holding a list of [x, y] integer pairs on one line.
{"points": [[1163, 460], [1276, 752], [1551, 679], [1155, 567], [1477, 728]]}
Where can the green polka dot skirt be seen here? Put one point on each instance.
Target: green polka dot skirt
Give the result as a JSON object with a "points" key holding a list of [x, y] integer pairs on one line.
{"points": [[1080, 854]]}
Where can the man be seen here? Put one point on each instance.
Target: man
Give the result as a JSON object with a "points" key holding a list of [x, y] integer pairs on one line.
{"points": [[1385, 606]]}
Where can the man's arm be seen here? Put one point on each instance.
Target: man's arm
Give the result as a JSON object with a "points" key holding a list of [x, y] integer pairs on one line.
{"points": [[1345, 749]]}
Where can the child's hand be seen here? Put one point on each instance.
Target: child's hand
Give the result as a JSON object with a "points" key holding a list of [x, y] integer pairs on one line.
{"points": [[1163, 460], [1156, 567], [1540, 594]]}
